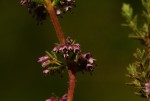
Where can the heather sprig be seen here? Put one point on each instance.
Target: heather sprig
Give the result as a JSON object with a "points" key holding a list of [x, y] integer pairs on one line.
{"points": [[67, 49], [139, 71]]}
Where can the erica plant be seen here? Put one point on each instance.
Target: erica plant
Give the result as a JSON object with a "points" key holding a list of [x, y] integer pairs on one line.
{"points": [[139, 71], [73, 60]]}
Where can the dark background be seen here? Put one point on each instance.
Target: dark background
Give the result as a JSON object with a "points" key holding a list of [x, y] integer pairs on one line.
{"points": [[95, 24]]}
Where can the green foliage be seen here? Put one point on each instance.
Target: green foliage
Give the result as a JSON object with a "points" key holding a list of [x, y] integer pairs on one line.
{"points": [[146, 5], [139, 71], [127, 11], [132, 70], [131, 21], [55, 2]]}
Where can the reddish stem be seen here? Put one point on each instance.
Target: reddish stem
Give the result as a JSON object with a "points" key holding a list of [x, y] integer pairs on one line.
{"points": [[55, 21], [60, 35], [72, 84]]}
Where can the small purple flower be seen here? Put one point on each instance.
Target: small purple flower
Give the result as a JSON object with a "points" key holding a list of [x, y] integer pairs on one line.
{"points": [[52, 99], [58, 11], [46, 71], [147, 89], [69, 40], [56, 49], [45, 62], [89, 67], [36, 10], [64, 6], [64, 98], [49, 64], [63, 48], [43, 58], [24, 2], [87, 61], [76, 48], [91, 60]]}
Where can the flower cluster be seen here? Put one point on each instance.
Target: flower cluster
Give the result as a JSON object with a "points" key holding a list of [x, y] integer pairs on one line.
{"points": [[86, 61], [63, 6], [63, 98], [68, 48], [50, 64], [72, 52], [36, 9]]}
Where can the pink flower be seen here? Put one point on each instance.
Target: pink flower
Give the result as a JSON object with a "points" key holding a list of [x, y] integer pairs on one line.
{"points": [[76, 48], [43, 58], [91, 60], [58, 11], [24, 2], [52, 99], [147, 89], [64, 6], [46, 71], [64, 98]]}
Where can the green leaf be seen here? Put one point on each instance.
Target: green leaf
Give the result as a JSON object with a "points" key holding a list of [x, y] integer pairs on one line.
{"points": [[145, 29], [136, 83], [55, 2], [127, 11], [146, 4], [54, 55], [124, 24], [140, 54], [54, 68], [137, 93], [51, 56], [134, 36], [135, 20], [132, 70]]}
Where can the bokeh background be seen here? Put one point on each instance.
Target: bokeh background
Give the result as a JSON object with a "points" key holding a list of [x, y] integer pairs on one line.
{"points": [[96, 25]]}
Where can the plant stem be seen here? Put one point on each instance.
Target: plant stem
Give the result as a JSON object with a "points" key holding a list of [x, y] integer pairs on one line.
{"points": [[72, 83], [60, 35], [55, 21], [148, 44]]}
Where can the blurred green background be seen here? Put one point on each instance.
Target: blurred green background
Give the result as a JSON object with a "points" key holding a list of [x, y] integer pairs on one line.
{"points": [[96, 25]]}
